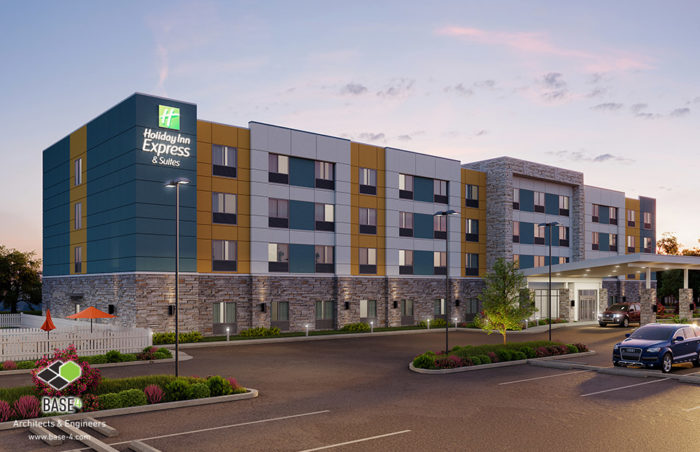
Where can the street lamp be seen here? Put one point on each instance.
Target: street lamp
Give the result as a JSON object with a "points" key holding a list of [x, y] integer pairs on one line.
{"points": [[549, 287], [175, 183], [446, 214]]}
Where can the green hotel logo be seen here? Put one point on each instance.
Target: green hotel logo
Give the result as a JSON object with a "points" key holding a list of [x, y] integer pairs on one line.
{"points": [[168, 117]]}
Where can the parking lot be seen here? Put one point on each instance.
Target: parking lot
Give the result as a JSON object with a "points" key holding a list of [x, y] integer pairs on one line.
{"points": [[358, 394]]}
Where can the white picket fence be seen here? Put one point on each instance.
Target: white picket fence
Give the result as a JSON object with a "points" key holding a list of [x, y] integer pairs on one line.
{"points": [[29, 342], [10, 320]]}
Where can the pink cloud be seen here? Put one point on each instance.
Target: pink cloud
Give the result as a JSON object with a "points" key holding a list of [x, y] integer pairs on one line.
{"points": [[529, 43]]}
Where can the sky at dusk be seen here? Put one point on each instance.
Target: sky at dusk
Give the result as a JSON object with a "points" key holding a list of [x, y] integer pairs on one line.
{"points": [[607, 88]]}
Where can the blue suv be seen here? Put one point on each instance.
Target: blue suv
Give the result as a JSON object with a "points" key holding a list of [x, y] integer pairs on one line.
{"points": [[659, 346]]}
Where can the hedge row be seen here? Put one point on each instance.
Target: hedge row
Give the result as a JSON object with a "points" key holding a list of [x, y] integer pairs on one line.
{"points": [[113, 356]]}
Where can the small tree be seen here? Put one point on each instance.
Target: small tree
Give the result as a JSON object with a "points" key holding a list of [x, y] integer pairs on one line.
{"points": [[19, 278], [505, 303]]}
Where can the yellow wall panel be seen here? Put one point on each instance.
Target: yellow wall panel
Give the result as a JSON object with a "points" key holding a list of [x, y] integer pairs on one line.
{"points": [[78, 194], [204, 249], [224, 232], [204, 131], [224, 135], [204, 153]]}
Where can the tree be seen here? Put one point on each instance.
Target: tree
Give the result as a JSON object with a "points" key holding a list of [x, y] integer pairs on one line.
{"points": [[20, 278], [668, 244], [505, 303], [669, 281]]}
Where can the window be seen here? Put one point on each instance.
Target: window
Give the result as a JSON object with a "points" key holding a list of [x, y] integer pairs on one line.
{"points": [[516, 259], [407, 308], [647, 245], [630, 218], [324, 217], [405, 262], [539, 261], [224, 160], [368, 181], [472, 264], [516, 232], [324, 175], [439, 306], [613, 215], [472, 227], [542, 303], [405, 224], [647, 220], [613, 242], [596, 241], [405, 186], [472, 195], [368, 221], [631, 244], [325, 310], [564, 205], [368, 260], [278, 257], [78, 223], [516, 199], [224, 312], [224, 255], [278, 213], [279, 169], [223, 207], [279, 314], [563, 236], [368, 309], [439, 263], [324, 259], [440, 226], [440, 191], [596, 212], [78, 259], [539, 234], [78, 178], [539, 201], [563, 260]]}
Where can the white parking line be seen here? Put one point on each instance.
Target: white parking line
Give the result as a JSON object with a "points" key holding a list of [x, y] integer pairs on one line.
{"points": [[623, 387], [692, 409], [356, 441], [546, 376]]}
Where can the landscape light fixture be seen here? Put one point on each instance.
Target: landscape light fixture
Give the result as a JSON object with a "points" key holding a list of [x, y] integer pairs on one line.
{"points": [[549, 287], [175, 183], [446, 214]]}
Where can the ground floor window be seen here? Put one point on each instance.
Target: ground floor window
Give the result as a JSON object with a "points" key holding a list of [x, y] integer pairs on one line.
{"points": [[439, 306], [325, 313], [279, 313], [471, 309], [542, 302], [224, 314], [368, 309]]}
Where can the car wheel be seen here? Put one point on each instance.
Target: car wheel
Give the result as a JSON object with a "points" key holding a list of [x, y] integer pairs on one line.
{"points": [[602, 324], [625, 322], [666, 363], [696, 363], [617, 364]]}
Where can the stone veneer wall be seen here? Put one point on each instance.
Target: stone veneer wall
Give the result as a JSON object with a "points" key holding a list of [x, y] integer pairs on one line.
{"points": [[142, 299], [630, 289], [566, 312], [499, 203]]}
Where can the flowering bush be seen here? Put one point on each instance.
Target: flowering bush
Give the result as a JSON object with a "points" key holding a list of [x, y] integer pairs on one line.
{"points": [[90, 403], [232, 381], [492, 356], [9, 365], [88, 381], [581, 347], [6, 411], [27, 407], [154, 394], [541, 352], [449, 362], [148, 354]]}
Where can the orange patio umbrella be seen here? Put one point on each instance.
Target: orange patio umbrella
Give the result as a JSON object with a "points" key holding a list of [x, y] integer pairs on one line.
{"points": [[48, 324], [91, 313]]}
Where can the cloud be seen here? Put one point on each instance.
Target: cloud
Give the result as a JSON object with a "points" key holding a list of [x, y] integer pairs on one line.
{"points": [[370, 136], [487, 84], [404, 137], [597, 92], [553, 80], [595, 78], [693, 101], [398, 87], [583, 156], [554, 86], [163, 67], [637, 108], [459, 89], [354, 89], [538, 43], [664, 188], [481, 132], [679, 112], [607, 106], [638, 111]]}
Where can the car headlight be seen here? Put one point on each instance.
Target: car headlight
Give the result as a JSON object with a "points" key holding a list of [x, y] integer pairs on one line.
{"points": [[617, 315], [654, 349], [617, 346]]}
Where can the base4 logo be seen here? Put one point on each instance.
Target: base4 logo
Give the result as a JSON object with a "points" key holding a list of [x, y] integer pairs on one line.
{"points": [[58, 375]]}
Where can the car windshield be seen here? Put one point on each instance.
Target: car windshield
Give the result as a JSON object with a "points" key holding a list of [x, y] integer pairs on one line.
{"points": [[618, 307], [656, 334]]}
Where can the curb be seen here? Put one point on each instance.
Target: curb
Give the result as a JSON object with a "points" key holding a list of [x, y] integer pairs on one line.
{"points": [[184, 357], [24, 423], [494, 365], [621, 371]]}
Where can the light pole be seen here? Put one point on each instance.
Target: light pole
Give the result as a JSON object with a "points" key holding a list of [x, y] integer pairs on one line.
{"points": [[175, 183], [446, 214], [549, 287]]}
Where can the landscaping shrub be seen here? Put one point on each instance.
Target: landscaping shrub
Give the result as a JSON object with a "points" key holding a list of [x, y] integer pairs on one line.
{"points": [[240, 390], [475, 360], [165, 351], [154, 394], [260, 332], [504, 355], [169, 337], [449, 362], [177, 389], [90, 403], [132, 397], [572, 348], [109, 401], [358, 327], [518, 355], [424, 361], [27, 407], [87, 382], [218, 386], [160, 355], [11, 394], [148, 354], [581, 347], [434, 323], [126, 357], [95, 359], [116, 385], [529, 352], [541, 352], [485, 359], [9, 365], [26, 364], [113, 356], [198, 391], [6, 411], [234, 384], [493, 357]]}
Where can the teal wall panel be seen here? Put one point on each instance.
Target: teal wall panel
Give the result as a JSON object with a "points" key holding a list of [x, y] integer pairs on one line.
{"points": [[527, 200], [423, 263], [302, 258], [302, 172], [422, 189], [551, 204], [301, 215], [56, 208], [527, 233]]}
